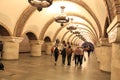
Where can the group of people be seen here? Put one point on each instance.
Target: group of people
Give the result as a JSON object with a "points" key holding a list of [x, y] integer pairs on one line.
{"points": [[67, 52]]}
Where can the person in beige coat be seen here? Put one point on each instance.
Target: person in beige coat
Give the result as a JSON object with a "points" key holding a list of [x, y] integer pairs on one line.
{"points": [[69, 52]]}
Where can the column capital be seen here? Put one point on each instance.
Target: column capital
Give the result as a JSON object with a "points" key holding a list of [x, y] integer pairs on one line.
{"points": [[98, 44], [114, 30], [104, 42], [38, 42], [11, 39], [115, 7]]}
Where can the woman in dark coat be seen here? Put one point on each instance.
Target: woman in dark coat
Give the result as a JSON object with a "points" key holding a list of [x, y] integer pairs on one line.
{"points": [[56, 54]]}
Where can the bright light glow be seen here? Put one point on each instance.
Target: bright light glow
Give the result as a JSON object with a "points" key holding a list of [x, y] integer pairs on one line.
{"points": [[55, 7], [78, 19]]}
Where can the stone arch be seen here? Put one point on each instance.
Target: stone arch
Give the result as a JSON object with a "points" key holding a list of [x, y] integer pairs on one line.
{"points": [[73, 39], [29, 10], [22, 20], [25, 44], [90, 12], [47, 39], [64, 36], [4, 31], [105, 27], [69, 37], [79, 23], [108, 5], [81, 28], [31, 36]]}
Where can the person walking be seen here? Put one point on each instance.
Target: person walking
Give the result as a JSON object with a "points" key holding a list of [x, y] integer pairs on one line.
{"points": [[56, 53], [63, 53], [69, 52], [77, 55], [52, 50], [81, 55]]}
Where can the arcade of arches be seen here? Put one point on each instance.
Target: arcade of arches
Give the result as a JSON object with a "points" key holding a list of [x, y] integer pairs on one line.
{"points": [[25, 29]]}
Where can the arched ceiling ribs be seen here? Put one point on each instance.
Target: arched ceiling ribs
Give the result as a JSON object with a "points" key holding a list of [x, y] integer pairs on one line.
{"points": [[108, 9], [91, 31], [74, 41], [90, 36], [73, 38], [73, 14], [86, 31], [69, 37], [84, 5], [22, 20], [64, 36], [87, 20], [27, 12], [45, 27]]}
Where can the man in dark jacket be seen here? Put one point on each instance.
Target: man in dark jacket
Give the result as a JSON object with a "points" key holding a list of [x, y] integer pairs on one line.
{"points": [[56, 54], [63, 53]]}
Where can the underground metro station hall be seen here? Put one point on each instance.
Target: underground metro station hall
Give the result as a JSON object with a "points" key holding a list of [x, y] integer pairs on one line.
{"points": [[32, 30]]}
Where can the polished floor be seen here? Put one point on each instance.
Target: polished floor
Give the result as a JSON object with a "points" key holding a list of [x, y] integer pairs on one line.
{"points": [[43, 68]]}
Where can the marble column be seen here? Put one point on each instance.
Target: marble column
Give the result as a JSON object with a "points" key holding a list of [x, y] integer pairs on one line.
{"points": [[98, 52], [48, 47], [36, 47], [106, 51], [114, 38], [11, 47]]}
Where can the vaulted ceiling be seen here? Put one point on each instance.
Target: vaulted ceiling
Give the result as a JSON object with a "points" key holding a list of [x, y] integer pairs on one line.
{"points": [[18, 17]]}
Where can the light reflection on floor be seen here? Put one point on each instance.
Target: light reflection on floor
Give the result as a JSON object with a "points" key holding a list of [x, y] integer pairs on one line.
{"points": [[43, 68]]}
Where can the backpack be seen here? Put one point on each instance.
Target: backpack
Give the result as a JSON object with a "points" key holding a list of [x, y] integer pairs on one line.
{"points": [[69, 51], [63, 52], [56, 50], [52, 49]]}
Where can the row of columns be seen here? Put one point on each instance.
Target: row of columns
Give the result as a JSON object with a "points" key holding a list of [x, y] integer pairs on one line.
{"points": [[108, 50], [109, 54], [11, 47]]}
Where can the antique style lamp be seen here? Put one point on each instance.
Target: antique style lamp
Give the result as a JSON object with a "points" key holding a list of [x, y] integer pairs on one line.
{"points": [[76, 32], [71, 26], [62, 17], [40, 3]]}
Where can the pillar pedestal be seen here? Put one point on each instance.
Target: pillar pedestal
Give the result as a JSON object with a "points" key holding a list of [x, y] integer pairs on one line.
{"points": [[11, 48], [114, 38], [48, 47], [106, 51], [98, 52], [36, 47]]}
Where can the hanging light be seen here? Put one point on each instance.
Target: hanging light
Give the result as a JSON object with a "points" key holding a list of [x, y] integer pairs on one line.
{"points": [[40, 3], [62, 17], [71, 26], [75, 32]]}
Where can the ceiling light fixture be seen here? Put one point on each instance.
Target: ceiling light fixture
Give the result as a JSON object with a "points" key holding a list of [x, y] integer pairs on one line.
{"points": [[40, 3], [75, 32], [62, 17], [71, 26]]}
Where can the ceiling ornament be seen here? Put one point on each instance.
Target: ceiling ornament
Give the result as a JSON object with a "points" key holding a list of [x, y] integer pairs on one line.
{"points": [[39, 4], [76, 32], [71, 26], [62, 17]]}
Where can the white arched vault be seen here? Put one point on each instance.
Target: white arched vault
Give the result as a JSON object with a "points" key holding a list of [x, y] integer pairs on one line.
{"points": [[26, 18]]}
